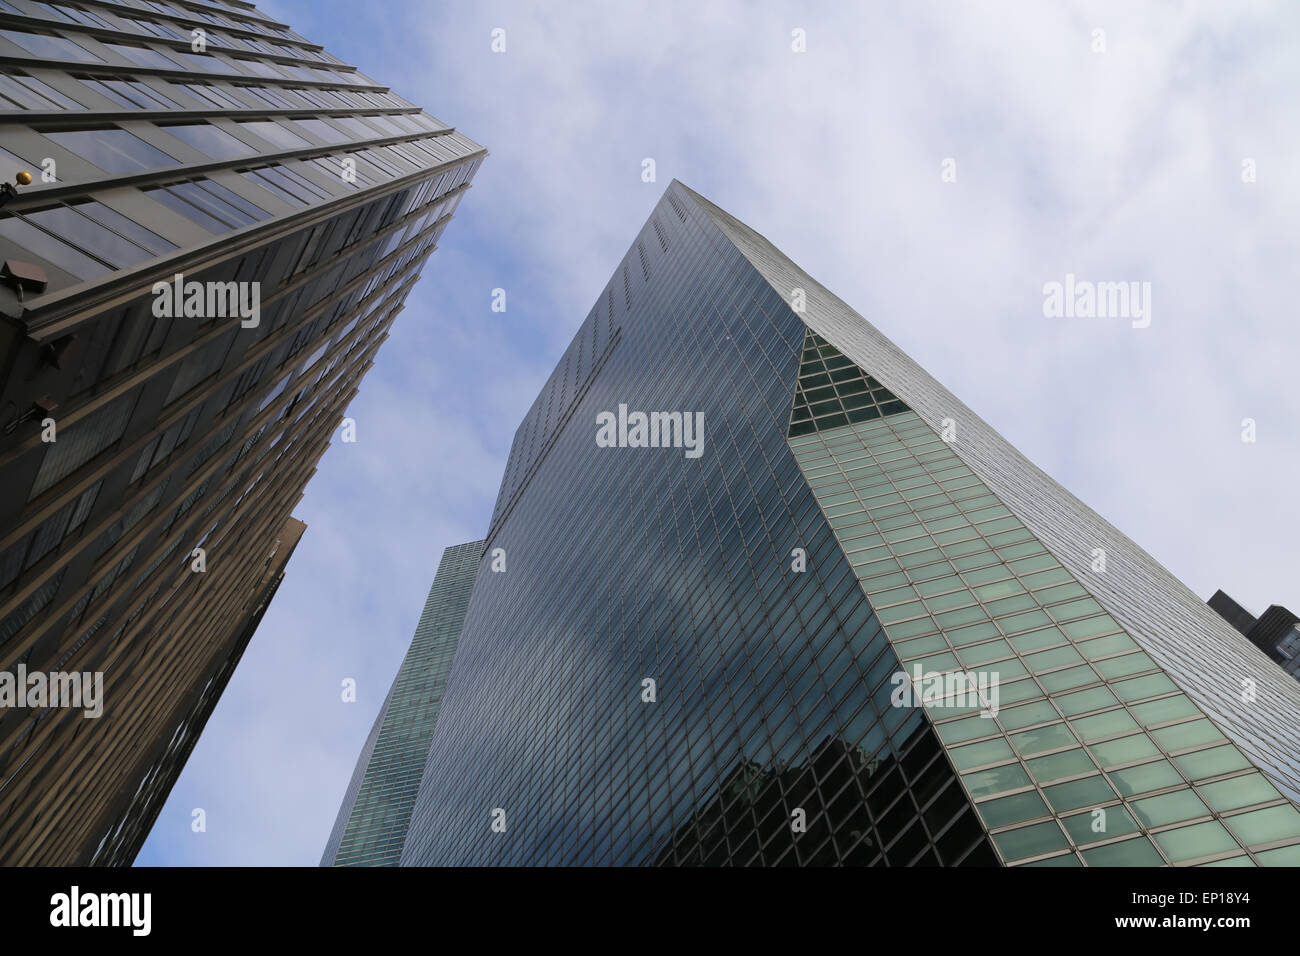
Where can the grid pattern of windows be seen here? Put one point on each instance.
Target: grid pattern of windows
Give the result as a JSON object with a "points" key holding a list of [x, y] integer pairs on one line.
{"points": [[828, 549], [187, 429], [1089, 752], [833, 391], [372, 823], [772, 685], [1202, 653]]}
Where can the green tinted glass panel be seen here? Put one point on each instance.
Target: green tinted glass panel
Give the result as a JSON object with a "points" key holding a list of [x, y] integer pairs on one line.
{"points": [[1190, 734], [1149, 776], [975, 755], [1089, 792], [984, 782], [1113, 753], [1238, 792], [1100, 823], [1138, 852], [1103, 725], [1056, 766], [1169, 808], [1201, 839], [1284, 856], [1006, 810], [1165, 709], [1031, 840], [1266, 826], [1043, 738], [1208, 763]]}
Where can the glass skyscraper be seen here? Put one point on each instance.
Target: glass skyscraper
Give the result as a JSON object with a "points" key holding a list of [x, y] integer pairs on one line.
{"points": [[371, 824], [223, 222], [839, 621]]}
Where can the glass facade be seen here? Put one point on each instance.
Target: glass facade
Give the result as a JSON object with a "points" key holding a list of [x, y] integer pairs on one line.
{"points": [[261, 167], [371, 825], [732, 657]]}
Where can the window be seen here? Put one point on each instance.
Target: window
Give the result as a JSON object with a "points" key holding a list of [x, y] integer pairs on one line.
{"points": [[74, 15], [112, 150], [80, 442], [102, 232], [129, 93], [161, 447], [47, 536], [330, 134], [269, 97], [209, 204], [385, 124], [334, 167], [206, 64], [202, 363], [213, 95], [273, 132], [210, 140], [19, 91], [157, 29], [47, 45], [18, 618], [52, 250], [288, 185], [257, 68], [89, 230], [144, 56]]}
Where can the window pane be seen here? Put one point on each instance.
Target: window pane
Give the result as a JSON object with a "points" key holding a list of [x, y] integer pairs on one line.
{"points": [[210, 141], [112, 150], [56, 48]]}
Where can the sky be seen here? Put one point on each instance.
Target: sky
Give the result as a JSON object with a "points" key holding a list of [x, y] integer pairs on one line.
{"points": [[933, 164]]}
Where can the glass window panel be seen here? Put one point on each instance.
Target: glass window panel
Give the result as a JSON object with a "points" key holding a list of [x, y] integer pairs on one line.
{"points": [[112, 150], [975, 755], [274, 133], [145, 56], [1202, 839], [1169, 808], [1149, 776], [46, 45], [1044, 738], [1285, 856], [986, 782], [1190, 734], [42, 244], [1056, 766], [1137, 852], [210, 141], [1100, 823], [1239, 792], [1165, 709], [1031, 840], [1124, 750], [1089, 792], [1013, 809], [1103, 725]]}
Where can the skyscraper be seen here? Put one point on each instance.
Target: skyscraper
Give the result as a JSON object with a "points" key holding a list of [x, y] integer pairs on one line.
{"points": [[372, 821], [1276, 632], [223, 224], [773, 595]]}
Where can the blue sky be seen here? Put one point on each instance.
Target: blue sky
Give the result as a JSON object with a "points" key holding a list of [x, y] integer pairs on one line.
{"points": [[1117, 165]]}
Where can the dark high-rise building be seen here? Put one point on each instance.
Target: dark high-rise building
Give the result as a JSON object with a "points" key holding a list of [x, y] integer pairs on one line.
{"points": [[224, 221], [1276, 632], [773, 595], [372, 821], [1232, 612]]}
